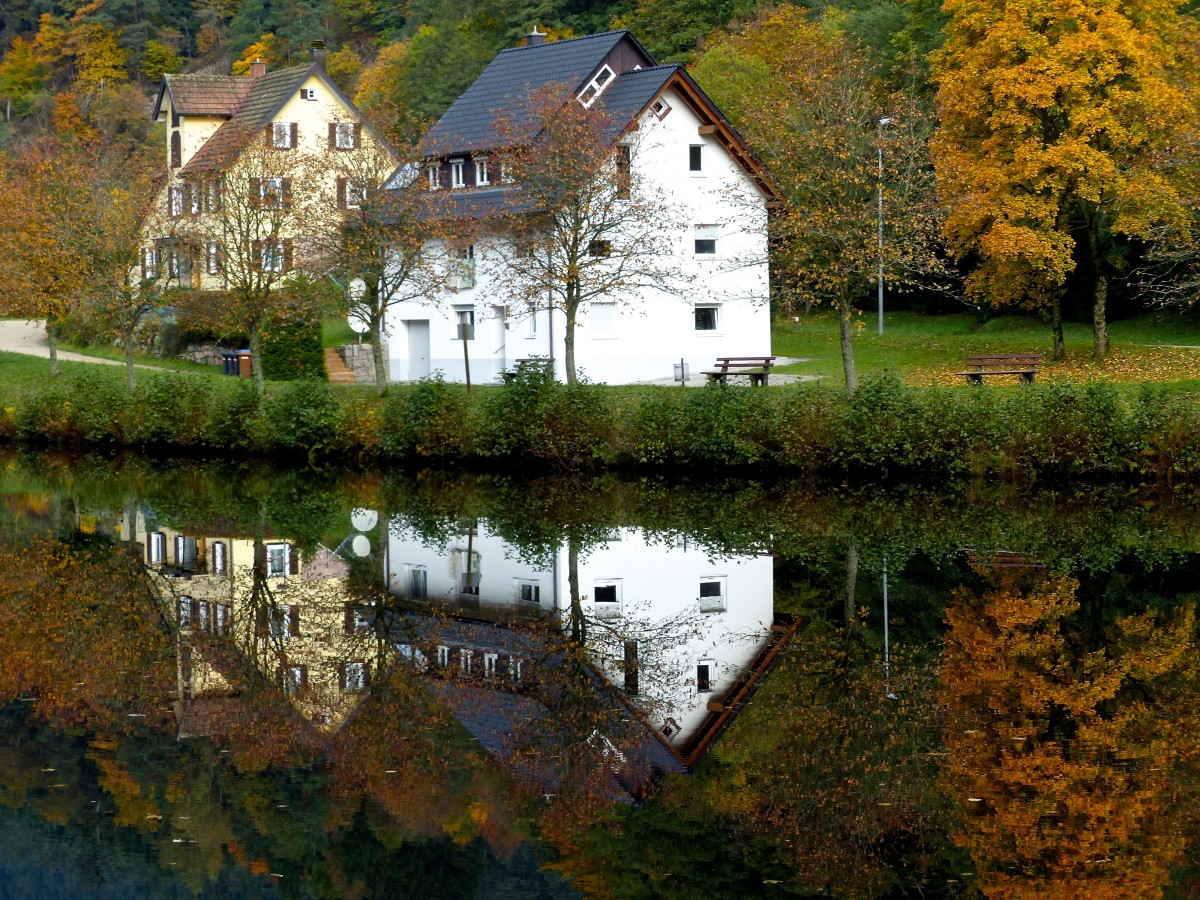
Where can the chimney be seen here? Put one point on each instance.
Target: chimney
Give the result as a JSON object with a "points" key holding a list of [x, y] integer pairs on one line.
{"points": [[316, 56], [258, 69], [535, 38]]}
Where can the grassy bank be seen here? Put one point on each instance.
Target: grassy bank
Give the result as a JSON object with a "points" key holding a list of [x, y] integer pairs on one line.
{"points": [[1094, 430]]}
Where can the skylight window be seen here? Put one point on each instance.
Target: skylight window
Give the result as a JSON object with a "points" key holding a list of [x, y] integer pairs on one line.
{"points": [[597, 85]]}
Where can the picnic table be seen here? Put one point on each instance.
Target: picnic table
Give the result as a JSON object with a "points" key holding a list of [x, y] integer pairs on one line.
{"points": [[756, 368]]}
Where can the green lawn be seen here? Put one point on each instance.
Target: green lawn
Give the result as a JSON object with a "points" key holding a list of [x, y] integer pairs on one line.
{"points": [[931, 349]]}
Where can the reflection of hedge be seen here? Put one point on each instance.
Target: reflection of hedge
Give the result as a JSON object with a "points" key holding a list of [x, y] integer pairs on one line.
{"points": [[887, 430], [291, 349]]}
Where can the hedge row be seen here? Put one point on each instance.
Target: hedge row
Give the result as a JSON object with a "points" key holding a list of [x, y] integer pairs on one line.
{"points": [[1088, 430]]}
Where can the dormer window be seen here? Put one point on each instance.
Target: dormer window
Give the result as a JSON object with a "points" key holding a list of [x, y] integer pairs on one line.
{"points": [[481, 172], [661, 108], [457, 167], [597, 85], [434, 175]]}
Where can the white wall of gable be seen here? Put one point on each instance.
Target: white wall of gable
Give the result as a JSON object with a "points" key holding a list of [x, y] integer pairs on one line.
{"points": [[646, 332]]}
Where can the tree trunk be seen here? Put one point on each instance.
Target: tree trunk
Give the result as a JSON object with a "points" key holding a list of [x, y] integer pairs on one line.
{"points": [[1056, 327], [52, 343], [260, 384], [846, 324], [1099, 314], [848, 605], [130, 372], [569, 343], [381, 380], [578, 626]]}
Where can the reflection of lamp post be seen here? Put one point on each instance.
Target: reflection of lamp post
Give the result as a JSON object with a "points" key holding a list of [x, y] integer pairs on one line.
{"points": [[879, 282], [887, 647]]}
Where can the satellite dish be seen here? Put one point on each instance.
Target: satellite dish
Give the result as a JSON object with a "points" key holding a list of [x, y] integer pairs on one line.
{"points": [[364, 519], [360, 546]]}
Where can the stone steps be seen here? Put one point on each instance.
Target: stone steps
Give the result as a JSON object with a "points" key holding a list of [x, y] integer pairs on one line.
{"points": [[336, 370]]}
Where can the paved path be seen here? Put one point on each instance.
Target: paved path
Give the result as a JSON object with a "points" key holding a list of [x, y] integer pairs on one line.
{"points": [[699, 379], [29, 338]]}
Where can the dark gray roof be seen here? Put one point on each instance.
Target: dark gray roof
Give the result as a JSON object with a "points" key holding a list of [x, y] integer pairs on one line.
{"points": [[630, 93], [470, 122]]}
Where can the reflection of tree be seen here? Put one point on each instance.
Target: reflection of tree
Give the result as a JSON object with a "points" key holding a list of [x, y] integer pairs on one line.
{"points": [[1059, 752]]}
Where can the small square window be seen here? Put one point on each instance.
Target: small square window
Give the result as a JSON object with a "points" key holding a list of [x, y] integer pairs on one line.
{"points": [[706, 240], [661, 108], [706, 318], [308, 93], [696, 157], [600, 248], [464, 324], [529, 591]]}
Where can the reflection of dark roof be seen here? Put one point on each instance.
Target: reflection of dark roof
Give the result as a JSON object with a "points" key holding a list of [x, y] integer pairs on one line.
{"points": [[470, 122]]}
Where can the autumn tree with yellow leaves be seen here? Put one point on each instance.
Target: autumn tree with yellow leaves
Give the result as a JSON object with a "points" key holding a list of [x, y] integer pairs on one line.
{"points": [[1056, 120]]}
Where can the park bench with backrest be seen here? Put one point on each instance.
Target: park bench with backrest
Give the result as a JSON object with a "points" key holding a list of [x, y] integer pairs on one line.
{"points": [[521, 367], [756, 368], [981, 365]]}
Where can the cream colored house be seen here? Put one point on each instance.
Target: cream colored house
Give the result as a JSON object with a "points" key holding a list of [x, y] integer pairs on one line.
{"points": [[257, 161]]}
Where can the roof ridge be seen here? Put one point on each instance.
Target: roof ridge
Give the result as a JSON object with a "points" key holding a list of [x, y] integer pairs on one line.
{"points": [[582, 37]]}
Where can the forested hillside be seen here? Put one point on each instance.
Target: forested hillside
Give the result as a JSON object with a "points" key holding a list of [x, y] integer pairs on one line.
{"points": [[77, 66]]}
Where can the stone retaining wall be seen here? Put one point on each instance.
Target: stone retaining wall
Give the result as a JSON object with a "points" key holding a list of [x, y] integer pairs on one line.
{"points": [[359, 360]]}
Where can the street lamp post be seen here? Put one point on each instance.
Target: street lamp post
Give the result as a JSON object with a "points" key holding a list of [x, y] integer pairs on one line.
{"points": [[879, 280]]}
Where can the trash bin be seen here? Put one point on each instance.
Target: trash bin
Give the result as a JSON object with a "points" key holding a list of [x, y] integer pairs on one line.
{"points": [[229, 362], [243, 361]]}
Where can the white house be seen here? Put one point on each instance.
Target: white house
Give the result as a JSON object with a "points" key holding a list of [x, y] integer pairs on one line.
{"points": [[682, 145]]}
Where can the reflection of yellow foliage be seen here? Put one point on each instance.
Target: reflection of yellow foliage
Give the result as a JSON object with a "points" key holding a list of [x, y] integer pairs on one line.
{"points": [[1058, 764], [133, 809]]}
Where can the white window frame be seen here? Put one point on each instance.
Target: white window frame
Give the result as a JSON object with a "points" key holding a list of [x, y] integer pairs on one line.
{"points": [[712, 675], [282, 552], [212, 258], [464, 659], [415, 574], [532, 330], [491, 665], [596, 86], [150, 262], [716, 318], [660, 108], [177, 201], [308, 93], [522, 586], [270, 192], [434, 174], [482, 176], [464, 315], [706, 233], [355, 195], [458, 173], [696, 150], [713, 603], [281, 136], [272, 256], [343, 136], [443, 656], [607, 608], [355, 676]]}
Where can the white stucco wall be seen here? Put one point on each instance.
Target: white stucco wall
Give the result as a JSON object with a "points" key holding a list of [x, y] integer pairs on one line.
{"points": [[649, 331]]}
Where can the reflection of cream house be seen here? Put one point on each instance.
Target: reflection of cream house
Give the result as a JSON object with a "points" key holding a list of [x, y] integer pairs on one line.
{"points": [[683, 634], [298, 628], [296, 117]]}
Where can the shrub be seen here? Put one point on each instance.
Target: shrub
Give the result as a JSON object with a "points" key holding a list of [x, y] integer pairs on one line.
{"points": [[101, 407], [291, 349], [430, 419], [234, 417], [535, 417], [303, 416]]}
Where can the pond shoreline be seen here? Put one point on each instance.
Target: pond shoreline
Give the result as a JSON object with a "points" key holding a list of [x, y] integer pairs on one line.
{"points": [[1090, 432]]}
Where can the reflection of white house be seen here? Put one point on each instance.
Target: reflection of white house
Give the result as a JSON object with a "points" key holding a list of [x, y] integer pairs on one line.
{"points": [[678, 630], [665, 133]]}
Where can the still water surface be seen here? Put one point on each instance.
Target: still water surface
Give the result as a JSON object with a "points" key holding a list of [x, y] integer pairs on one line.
{"points": [[232, 681]]}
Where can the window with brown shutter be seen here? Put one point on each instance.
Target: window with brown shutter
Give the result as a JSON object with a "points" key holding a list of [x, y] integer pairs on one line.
{"points": [[341, 193], [256, 191], [294, 620], [624, 171], [285, 192], [294, 560], [176, 150], [333, 135]]}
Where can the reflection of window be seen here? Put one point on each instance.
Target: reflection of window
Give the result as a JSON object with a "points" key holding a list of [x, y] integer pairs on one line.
{"points": [[630, 668], [295, 680], [529, 591], [212, 258], [187, 612], [354, 676], [443, 656], [516, 668], [491, 665], [278, 557], [712, 594], [285, 622], [607, 597], [418, 588], [156, 547], [464, 660], [221, 618], [704, 677]]}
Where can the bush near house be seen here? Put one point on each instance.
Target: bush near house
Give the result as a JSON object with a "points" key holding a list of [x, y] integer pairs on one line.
{"points": [[292, 349], [887, 430]]}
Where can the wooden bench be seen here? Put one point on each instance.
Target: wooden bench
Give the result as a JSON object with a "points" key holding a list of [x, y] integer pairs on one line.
{"points": [[522, 367], [1024, 364], [756, 368]]}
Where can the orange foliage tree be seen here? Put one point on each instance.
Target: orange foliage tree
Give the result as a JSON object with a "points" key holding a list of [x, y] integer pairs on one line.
{"points": [[1053, 117]]}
